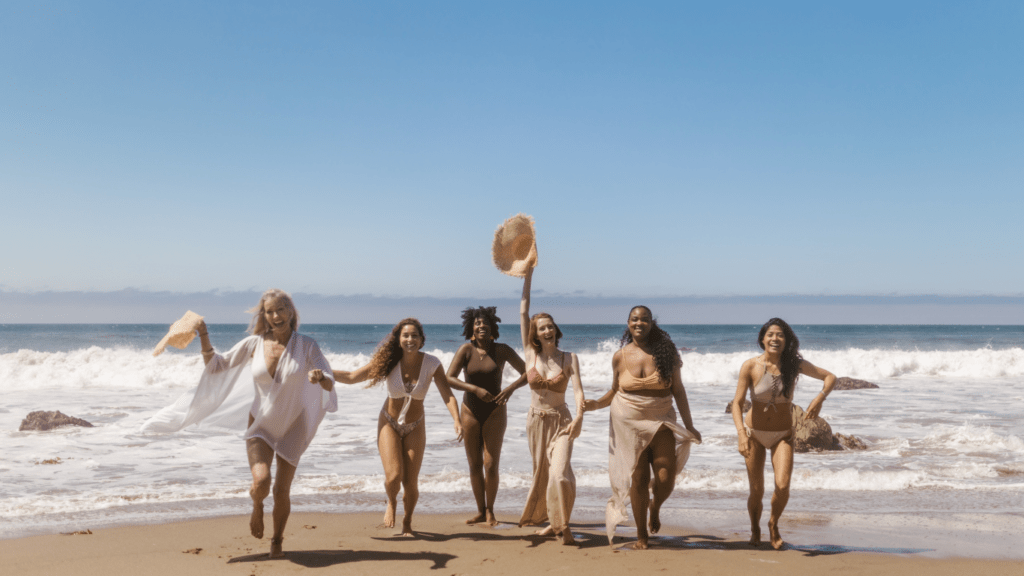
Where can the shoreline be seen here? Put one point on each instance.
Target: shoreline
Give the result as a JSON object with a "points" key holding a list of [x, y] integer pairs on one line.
{"points": [[355, 543]]}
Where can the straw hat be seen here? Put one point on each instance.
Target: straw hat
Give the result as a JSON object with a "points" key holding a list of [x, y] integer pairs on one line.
{"points": [[181, 333], [515, 246]]}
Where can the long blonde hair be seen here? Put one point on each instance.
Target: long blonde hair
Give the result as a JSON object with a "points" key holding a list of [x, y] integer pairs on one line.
{"points": [[258, 325]]}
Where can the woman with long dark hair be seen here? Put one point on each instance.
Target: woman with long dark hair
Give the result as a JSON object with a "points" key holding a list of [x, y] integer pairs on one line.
{"points": [[647, 446], [550, 427], [771, 379], [401, 435], [483, 361]]}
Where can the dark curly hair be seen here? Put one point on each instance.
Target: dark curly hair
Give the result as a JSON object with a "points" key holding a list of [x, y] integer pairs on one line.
{"points": [[389, 353], [488, 313], [666, 355], [791, 358]]}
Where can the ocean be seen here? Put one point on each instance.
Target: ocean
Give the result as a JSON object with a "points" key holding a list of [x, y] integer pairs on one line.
{"points": [[944, 431]]}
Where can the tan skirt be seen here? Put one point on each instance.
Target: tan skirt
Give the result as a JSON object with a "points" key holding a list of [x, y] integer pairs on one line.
{"points": [[553, 492], [634, 422]]}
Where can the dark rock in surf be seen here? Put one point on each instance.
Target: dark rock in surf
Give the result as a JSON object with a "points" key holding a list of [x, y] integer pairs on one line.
{"points": [[746, 406], [847, 383], [815, 435], [42, 420]]}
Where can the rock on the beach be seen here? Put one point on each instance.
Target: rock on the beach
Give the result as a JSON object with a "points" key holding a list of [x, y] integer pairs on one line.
{"points": [[811, 435], [43, 420], [846, 383], [816, 435], [746, 406]]}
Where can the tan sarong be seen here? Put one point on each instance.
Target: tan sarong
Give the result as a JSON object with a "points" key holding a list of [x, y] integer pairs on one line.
{"points": [[553, 492], [635, 420]]}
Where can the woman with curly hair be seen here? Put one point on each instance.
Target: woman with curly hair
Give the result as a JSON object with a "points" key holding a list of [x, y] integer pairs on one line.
{"points": [[771, 379], [483, 361], [284, 413], [401, 437], [550, 427], [647, 446]]}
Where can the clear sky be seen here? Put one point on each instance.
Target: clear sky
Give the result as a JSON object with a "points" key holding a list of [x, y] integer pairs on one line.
{"points": [[664, 148]]}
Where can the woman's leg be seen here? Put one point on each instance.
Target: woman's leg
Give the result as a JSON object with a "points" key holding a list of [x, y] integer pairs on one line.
{"points": [[493, 435], [260, 456], [472, 436], [782, 464], [755, 477], [639, 497], [663, 463], [282, 504], [390, 446], [412, 458]]}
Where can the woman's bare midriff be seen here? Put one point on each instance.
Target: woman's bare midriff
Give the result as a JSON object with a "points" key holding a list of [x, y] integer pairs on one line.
{"points": [[778, 416], [393, 406]]}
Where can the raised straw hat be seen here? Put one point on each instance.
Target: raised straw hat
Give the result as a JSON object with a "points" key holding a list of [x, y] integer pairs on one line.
{"points": [[180, 334], [515, 246]]}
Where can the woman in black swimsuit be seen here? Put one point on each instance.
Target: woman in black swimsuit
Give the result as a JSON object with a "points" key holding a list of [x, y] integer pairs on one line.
{"points": [[483, 421]]}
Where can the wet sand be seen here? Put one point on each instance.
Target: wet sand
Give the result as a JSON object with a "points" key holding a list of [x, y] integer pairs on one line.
{"points": [[357, 544]]}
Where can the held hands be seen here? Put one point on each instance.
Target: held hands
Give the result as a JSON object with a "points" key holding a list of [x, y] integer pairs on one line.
{"points": [[317, 377], [589, 405]]}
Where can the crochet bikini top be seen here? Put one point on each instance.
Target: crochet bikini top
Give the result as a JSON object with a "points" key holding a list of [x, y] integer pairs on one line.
{"points": [[557, 384]]}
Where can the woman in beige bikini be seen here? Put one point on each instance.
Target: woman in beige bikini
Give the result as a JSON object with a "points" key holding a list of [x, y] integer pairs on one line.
{"points": [[771, 379]]}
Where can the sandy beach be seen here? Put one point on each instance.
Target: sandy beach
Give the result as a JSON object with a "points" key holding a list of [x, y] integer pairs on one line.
{"points": [[357, 544]]}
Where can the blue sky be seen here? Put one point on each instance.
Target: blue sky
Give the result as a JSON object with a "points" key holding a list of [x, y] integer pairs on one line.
{"points": [[664, 148]]}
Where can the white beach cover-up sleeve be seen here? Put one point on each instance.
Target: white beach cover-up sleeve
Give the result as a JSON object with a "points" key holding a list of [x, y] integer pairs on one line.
{"points": [[217, 400], [287, 415]]}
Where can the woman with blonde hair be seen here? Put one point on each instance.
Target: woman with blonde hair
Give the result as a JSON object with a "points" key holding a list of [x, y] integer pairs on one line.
{"points": [[406, 372], [550, 427], [285, 413]]}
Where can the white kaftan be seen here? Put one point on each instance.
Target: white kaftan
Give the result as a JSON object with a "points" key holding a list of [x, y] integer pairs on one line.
{"points": [[287, 408]]}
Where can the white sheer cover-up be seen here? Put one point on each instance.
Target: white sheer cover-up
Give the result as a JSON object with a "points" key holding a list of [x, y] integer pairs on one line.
{"points": [[634, 420], [287, 409]]}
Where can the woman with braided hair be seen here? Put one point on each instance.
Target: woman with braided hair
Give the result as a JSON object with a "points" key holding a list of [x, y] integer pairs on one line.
{"points": [[647, 446], [771, 379]]}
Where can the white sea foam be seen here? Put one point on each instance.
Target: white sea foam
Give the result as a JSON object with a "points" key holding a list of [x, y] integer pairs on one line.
{"points": [[120, 368]]}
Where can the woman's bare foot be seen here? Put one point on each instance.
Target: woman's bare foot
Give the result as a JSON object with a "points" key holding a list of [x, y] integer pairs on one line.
{"points": [[277, 547], [477, 519], [389, 515], [407, 526], [655, 522], [256, 520], [755, 536], [567, 537], [548, 531], [640, 544], [491, 520], [773, 532]]}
